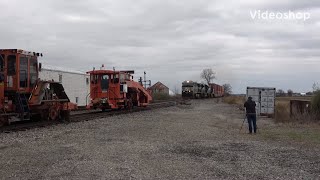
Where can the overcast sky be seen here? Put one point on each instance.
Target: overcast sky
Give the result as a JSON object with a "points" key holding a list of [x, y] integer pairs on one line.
{"points": [[172, 40]]}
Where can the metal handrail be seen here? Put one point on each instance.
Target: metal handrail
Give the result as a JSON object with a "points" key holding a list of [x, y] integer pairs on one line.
{"points": [[87, 99]]}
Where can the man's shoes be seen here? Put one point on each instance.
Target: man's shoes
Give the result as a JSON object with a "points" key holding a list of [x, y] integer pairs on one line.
{"points": [[250, 133]]}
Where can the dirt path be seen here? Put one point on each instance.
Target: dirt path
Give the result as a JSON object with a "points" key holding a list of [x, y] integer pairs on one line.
{"points": [[197, 141]]}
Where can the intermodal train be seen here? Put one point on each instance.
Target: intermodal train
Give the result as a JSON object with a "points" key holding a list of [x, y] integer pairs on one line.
{"points": [[23, 96], [191, 89]]}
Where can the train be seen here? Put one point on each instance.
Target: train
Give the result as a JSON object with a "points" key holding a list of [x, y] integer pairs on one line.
{"points": [[23, 96], [111, 89], [195, 90]]}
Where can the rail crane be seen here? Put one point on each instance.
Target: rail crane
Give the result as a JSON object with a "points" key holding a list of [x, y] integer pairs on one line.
{"points": [[23, 96], [110, 89]]}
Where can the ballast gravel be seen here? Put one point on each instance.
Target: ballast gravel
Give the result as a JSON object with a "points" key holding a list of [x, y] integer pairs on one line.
{"points": [[200, 140]]}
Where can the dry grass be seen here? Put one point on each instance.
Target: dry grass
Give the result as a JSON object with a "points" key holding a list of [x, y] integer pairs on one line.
{"points": [[164, 97], [287, 99], [236, 100], [282, 111], [304, 133]]}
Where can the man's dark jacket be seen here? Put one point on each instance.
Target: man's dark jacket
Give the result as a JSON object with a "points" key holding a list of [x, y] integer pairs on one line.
{"points": [[250, 107]]}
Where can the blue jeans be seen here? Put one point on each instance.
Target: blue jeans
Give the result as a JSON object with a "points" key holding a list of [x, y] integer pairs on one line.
{"points": [[252, 121]]}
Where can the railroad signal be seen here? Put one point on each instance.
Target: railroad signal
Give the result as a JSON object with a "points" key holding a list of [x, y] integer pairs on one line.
{"points": [[145, 83]]}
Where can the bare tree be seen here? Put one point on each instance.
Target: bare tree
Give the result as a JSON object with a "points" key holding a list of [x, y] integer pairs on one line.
{"points": [[290, 92], [208, 75], [227, 89], [176, 90], [315, 87], [280, 92]]}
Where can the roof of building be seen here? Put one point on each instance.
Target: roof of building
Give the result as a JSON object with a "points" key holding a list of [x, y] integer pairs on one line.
{"points": [[61, 69], [159, 85]]}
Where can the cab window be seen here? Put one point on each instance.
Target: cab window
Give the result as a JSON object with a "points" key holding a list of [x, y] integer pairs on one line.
{"points": [[23, 71], [116, 78], [122, 77], [33, 65], [94, 79], [1, 62], [104, 82], [11, 65]]}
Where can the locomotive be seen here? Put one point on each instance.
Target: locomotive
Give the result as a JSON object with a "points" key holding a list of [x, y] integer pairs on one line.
{"points": [[111, 89], [191, 89], [23, 96]]}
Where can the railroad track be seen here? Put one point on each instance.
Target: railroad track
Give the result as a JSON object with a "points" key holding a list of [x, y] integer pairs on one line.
{"points": [[81, 116]]}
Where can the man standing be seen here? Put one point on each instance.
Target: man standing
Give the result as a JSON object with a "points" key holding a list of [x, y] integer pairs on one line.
{"points": [[250, 106]]}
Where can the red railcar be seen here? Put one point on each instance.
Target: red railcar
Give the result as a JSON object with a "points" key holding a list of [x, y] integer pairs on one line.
{"points": [[218, 90], [110, 89]]}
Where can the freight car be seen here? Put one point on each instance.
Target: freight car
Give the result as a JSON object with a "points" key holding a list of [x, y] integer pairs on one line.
{"points": [[191, 89], [218, 90], [22, 95], [110, 89]]}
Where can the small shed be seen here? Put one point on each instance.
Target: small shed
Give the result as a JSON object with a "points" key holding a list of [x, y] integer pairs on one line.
{"points": [[76, 83], [298, 107], [159, 88]]}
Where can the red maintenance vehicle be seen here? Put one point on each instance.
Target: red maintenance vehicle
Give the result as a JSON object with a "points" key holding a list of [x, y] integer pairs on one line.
{"points": [[22, 95], [110, 89]]}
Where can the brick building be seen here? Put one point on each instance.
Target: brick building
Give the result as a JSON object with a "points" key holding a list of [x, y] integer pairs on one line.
{"points": [[159, 88]]}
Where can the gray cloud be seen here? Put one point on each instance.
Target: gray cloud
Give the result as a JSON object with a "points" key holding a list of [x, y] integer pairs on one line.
{"points": [[171, 40]]}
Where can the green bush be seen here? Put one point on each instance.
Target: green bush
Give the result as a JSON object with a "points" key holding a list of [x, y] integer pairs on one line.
{"points": [[315, 103]]}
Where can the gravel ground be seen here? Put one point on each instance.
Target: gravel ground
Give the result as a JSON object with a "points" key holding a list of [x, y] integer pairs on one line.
{"points": [[197, 141]]}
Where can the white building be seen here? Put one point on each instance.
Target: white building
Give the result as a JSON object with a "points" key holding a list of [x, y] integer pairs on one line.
{"points": [[75, 83]]}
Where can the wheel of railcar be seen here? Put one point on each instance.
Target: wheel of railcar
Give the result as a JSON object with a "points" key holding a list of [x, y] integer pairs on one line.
{"points": [[44, 114], [129, 104], [53, 113], [65, 115], [3, 121]]}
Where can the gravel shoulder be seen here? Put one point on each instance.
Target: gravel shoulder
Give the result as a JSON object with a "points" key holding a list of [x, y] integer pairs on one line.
{"points": [[196, 141]]}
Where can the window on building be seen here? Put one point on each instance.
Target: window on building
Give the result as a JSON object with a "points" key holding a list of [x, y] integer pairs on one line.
{"points": [[23, 72], [60, 78], [87, 81], [11, 65], [2, 62], [77, 100]]}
